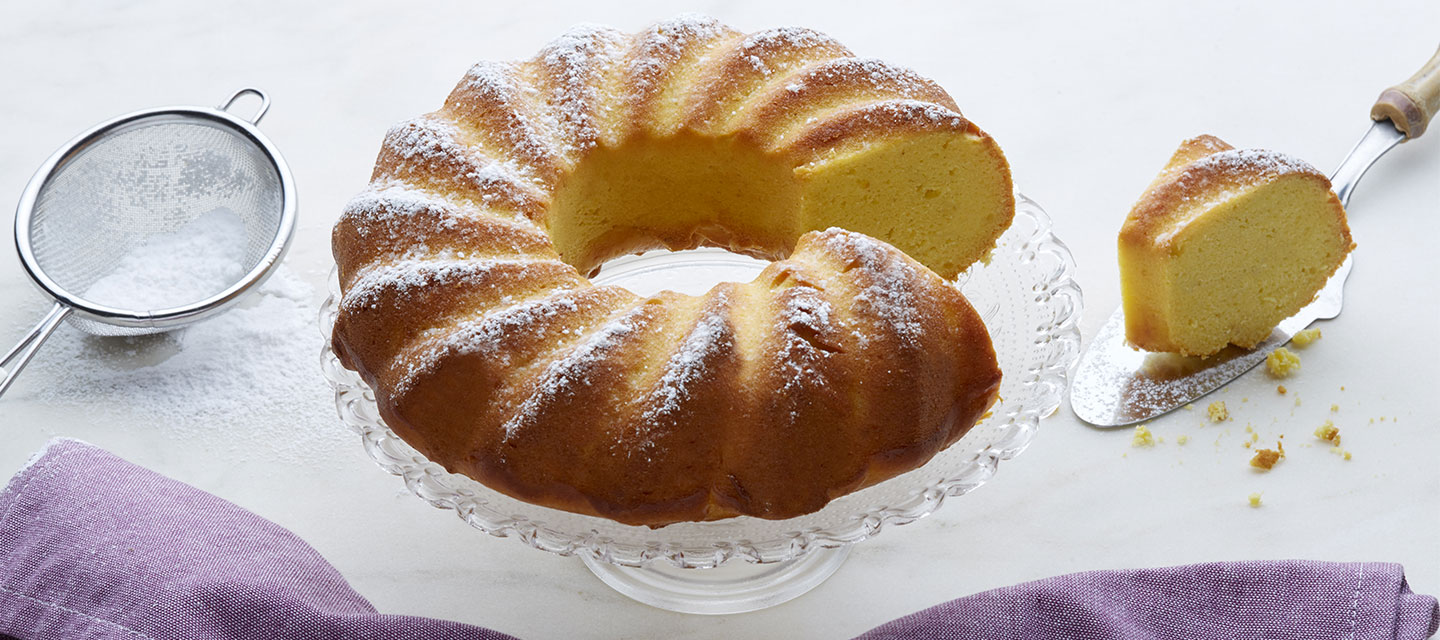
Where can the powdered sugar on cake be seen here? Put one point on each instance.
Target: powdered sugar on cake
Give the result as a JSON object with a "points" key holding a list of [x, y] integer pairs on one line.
{"points": [[430, 147], [573, 371], [574, 66], [402, 278], [486, 334], [759, 46], [689, 365], [807, 337], [1224, 175], [876, 75], [509, 106], [887, 295], [665, 44]]}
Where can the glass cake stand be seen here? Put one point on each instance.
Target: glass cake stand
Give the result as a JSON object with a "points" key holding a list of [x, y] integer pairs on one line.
{"points": [[1029, 302]]}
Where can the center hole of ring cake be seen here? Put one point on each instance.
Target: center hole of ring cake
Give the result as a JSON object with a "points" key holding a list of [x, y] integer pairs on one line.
{"points": [[691, 272]]}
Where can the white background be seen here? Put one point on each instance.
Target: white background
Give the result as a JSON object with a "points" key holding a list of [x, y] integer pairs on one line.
{"points": [[1087, 99]]}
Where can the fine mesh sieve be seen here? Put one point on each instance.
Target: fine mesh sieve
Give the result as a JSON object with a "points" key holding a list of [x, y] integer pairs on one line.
{"points": [[92, 207]]}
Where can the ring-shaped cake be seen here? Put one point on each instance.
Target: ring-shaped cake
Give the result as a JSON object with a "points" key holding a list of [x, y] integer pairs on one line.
{"points": [[845, 363]]}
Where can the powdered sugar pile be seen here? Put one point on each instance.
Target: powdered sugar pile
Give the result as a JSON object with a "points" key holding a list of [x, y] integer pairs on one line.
{"points": [[246, 382], [184, 266]]}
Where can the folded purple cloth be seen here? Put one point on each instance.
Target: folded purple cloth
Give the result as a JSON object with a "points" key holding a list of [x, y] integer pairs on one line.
{"points": [[92, 546], [1221, 600]]}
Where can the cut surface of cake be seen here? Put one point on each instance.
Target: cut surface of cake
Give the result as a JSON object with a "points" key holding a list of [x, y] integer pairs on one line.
{"points": [[1223, 245], [852, 358]]}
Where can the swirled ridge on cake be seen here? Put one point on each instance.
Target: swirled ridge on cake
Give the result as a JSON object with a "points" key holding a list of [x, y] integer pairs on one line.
{"points": [[846, 362]]}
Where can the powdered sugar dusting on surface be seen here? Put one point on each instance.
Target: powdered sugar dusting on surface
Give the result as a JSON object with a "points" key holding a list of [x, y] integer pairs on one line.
{"points": [[573, 371], [195, 261], [888, 278], [245, 383]]}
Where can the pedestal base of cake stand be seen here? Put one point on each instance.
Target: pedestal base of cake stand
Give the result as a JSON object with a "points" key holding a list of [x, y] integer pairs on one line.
{"points": [[736, 586], [733, 587]]}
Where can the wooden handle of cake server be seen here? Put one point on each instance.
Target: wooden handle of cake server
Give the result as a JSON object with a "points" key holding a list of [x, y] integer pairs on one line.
{"points": [[1411, 104]]}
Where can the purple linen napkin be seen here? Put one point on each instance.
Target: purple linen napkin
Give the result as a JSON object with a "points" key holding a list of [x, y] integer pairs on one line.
{"points": [[92, 546], [1222, 600]]}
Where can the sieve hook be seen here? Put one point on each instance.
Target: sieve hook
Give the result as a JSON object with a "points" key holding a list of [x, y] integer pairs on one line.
{"points": [[264, 102], [23, 352]]}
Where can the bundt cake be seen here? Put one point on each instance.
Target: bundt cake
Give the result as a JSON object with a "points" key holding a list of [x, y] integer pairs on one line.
{"points": [[846, 362], [1225, 244]]}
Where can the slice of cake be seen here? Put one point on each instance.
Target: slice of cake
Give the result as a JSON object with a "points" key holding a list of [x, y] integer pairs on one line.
{"points": [[1223, 245]]}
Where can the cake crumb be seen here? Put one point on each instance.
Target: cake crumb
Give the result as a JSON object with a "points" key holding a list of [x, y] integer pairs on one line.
{"points": [[1328, 432], [1255, 500], [1347, 455], [1142, 437], [1304, 338], [1218, 412], [1334, 408], [1182, 440], [1280, 389], [1266, 458], [1190, 407], [1282, 362]]}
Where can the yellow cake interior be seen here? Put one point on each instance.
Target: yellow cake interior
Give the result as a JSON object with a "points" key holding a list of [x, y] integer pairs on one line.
{"points": [[931, 195], [1224, 246]]}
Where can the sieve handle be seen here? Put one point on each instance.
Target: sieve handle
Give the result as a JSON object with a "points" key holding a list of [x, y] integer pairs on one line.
{"points": [[264, 102], [21, 353]]}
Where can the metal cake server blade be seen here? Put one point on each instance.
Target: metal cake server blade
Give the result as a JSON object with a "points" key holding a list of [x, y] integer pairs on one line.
{"points": [[1116, 385]]}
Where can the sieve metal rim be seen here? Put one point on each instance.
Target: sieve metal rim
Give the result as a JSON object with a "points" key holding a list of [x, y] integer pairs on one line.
{"points": [[174, 316]]}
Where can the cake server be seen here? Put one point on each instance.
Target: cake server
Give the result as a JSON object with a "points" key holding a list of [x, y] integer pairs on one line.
{"points": [[1117, 385]]}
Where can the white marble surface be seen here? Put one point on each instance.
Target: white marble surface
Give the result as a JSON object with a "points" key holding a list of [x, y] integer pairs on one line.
{"points": [[1088, 102]]}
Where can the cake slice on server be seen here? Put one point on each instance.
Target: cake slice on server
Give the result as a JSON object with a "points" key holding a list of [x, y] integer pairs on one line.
{"points": [[1225, 244]]}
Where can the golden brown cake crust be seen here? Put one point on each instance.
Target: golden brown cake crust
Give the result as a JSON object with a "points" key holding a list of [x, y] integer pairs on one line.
{"points": [[1202, 168], [842, 365]]}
